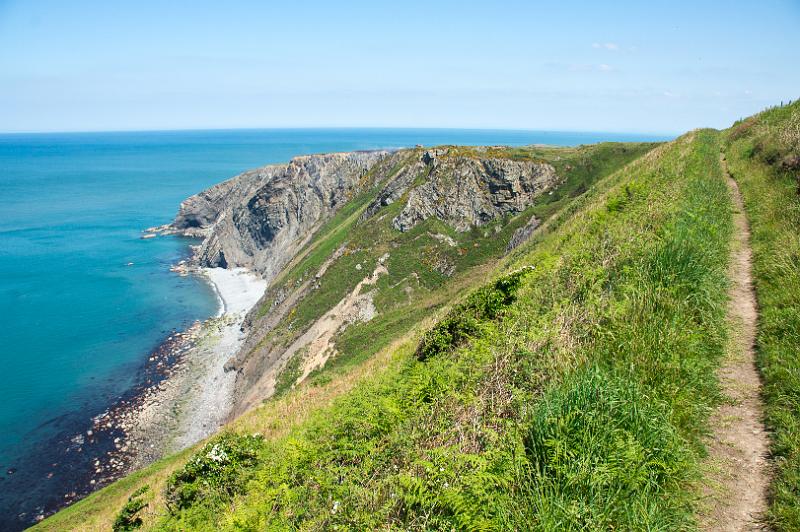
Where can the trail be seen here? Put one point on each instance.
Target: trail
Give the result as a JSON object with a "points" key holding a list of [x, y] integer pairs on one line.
{"points": [[739, 443]]}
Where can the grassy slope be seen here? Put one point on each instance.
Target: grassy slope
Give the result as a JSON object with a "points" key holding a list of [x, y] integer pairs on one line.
{"points": [[582, 406], [581, 166], [412, 289], [98, 510], [759, 152]]}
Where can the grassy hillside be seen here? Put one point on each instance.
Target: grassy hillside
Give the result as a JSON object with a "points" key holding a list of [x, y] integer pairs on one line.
{"points": [[424, 264], [415, 287], [570, 391], [576, 398], [763, 155]]}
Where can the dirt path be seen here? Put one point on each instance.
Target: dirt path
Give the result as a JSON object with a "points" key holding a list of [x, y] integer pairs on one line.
{"points": [[739, 443]]}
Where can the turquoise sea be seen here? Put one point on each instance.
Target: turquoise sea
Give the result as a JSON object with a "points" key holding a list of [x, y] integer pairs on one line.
{"points": [[83, 299]]}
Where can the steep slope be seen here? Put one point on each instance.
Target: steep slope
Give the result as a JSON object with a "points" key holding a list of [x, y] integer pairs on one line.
{"points": [[366, 237], [569, 391], [259, 219], [763, 154], [355, 253]]}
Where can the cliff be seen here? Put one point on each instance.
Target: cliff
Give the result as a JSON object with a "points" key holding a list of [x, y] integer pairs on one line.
{"points": [[326, 230], [259, 218]]}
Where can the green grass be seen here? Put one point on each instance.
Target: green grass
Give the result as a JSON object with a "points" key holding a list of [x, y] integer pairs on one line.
{"points": [[580, 406], [128, 518], [760, 153], [290, 373]]}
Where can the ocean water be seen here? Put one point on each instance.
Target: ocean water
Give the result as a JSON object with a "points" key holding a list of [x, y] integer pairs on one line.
{"points": [[83, 299]]}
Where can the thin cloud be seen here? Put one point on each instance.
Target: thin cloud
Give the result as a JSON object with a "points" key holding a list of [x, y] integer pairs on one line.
{"points": [[556, 66], [602, 67], [612, 46]]}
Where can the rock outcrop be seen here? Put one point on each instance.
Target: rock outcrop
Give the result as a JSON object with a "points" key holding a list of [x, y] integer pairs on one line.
{"points": [[523, 234], [467, 191], [261, 218]]}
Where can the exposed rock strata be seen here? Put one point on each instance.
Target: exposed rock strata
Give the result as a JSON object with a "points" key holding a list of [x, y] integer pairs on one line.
{"points": [[259, 219], [466, 192], [524, 233]]}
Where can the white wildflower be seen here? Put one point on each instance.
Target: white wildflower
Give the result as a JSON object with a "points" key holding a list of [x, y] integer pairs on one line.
{"points": [[217, 454]]}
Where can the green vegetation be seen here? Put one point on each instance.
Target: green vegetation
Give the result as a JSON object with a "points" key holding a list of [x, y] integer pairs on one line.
{"points": [[424, 263], [763, 154], [566, 385], [128, 517], [578, 402], [214, 474], [464, 320], [290, 373]]}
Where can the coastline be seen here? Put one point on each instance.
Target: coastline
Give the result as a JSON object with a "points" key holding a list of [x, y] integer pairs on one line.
{"points": [[196, 396], [182, 395]]}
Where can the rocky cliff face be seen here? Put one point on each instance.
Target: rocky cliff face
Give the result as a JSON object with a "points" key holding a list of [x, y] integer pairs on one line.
{"points": [[467, 191], [259, 219]]}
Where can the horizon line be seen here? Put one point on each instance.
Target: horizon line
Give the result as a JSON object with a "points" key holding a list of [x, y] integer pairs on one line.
{"points": [[331, 128]]}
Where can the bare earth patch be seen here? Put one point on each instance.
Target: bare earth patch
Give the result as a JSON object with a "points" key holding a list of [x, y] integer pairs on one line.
{"points": [[739, 443], [317, 343]]}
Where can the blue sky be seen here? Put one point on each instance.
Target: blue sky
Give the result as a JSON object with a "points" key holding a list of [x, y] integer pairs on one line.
{"points": [[646, 66]]}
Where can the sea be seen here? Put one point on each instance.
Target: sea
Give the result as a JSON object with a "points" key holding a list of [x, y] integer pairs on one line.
{"points": [[84, 299]]}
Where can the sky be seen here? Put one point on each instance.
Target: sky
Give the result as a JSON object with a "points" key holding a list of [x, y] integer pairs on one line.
{"points": [[645, 66]]}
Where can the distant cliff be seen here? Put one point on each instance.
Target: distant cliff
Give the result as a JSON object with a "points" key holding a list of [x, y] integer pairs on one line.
{"points": [[262, 217], [258, 219]]}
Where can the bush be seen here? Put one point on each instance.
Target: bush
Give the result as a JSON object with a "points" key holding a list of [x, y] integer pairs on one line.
{"points": [[128, 518], [218, 470], [463, 321]]}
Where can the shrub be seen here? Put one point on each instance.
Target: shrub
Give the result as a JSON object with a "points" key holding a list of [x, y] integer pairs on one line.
{"points": [[128, 518], [463, 321], [219, 469]]}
